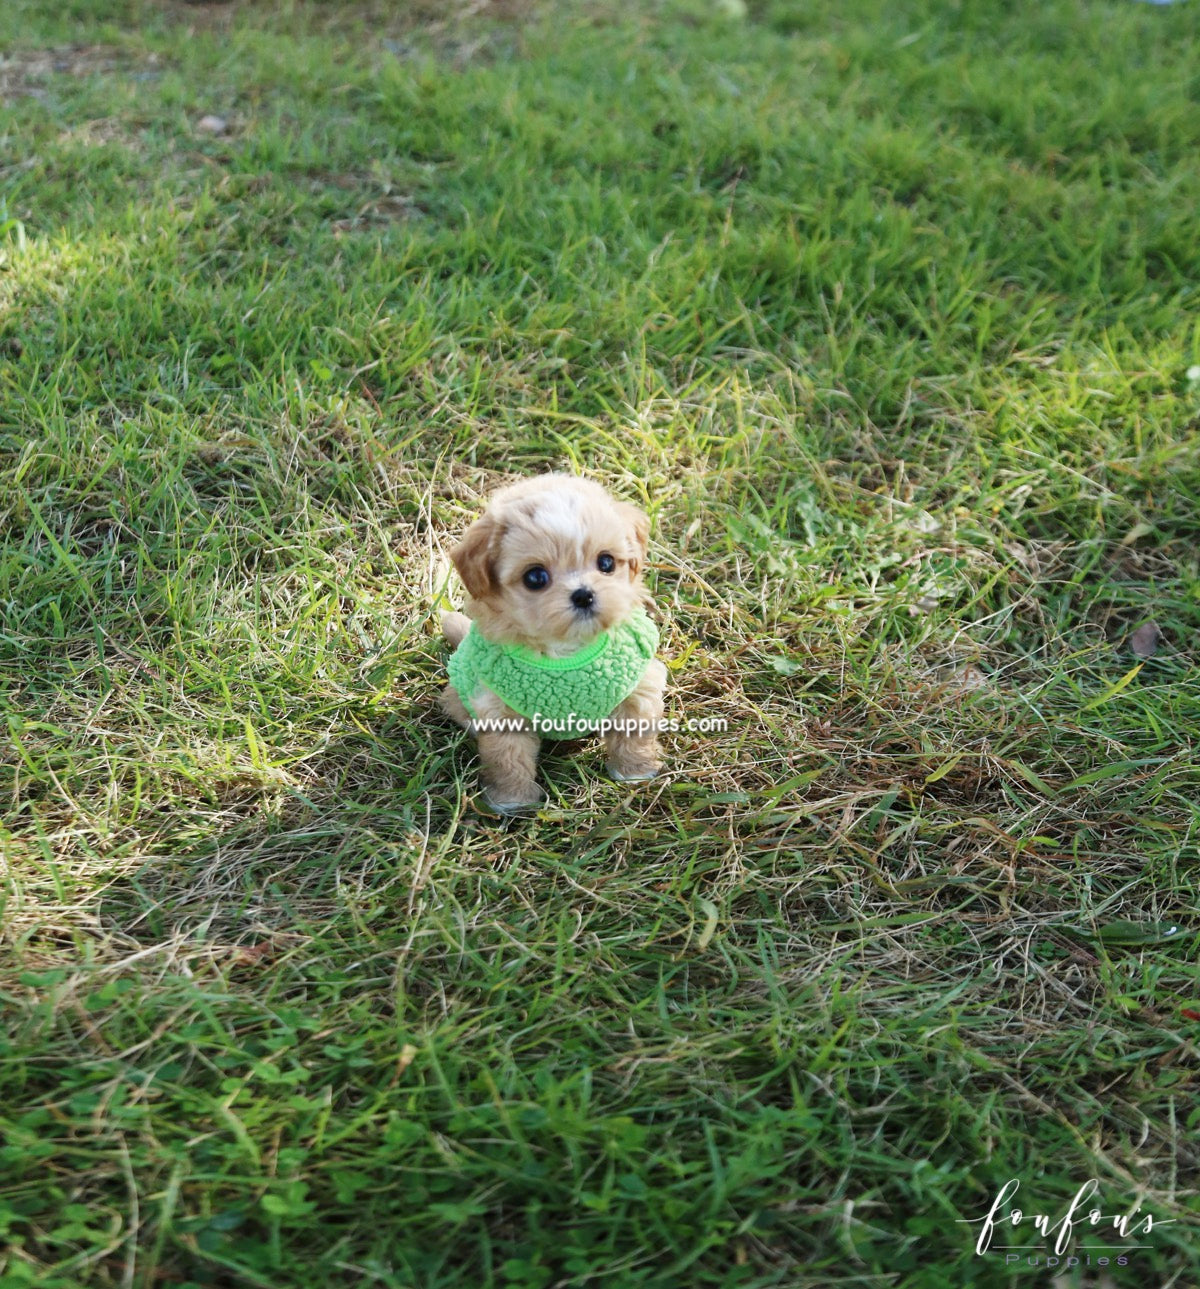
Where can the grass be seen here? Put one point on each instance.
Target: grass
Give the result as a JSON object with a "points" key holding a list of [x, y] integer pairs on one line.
{"points": [[887, 316]]}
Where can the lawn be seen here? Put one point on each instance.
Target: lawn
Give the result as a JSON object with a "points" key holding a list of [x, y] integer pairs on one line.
{"points": [[888, 317]]}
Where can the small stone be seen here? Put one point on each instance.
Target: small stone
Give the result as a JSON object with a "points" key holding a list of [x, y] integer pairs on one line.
{"points": [[1144, 641], [969, 678], [212, 125]]}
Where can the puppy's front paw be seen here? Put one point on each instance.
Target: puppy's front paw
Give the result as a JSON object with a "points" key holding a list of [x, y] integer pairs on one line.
{"points": [[452, 706], [633, 769], [513, 799]]}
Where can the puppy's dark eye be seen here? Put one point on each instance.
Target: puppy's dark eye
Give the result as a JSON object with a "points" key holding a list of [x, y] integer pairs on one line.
{"points": [[536, 578], [606, 563]]}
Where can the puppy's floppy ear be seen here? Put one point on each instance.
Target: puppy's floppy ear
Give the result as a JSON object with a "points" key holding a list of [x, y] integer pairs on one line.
{"points": [[475, 555], [639, 537]]}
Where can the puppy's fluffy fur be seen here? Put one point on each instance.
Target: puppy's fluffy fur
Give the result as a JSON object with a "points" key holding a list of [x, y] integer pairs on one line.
{"points": [[565, 526]]}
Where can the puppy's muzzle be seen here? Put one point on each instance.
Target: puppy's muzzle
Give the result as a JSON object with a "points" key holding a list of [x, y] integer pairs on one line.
{"points": [[583, 599]]}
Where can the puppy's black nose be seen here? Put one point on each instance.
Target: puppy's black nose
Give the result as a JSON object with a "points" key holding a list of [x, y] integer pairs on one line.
{"points": [[582, 598]]}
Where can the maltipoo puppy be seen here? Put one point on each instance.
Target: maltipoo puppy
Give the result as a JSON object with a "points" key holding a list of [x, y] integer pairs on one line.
{"points": [[555, 640]]}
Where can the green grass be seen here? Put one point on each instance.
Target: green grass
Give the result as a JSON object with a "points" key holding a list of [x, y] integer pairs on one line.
{"points": [[886, 315]]}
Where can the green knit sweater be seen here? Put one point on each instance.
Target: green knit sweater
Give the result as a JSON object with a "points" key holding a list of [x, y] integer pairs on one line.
{"points": [[587, 684]]}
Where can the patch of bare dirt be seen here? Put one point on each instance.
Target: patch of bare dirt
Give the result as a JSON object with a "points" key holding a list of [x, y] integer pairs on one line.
{"points": [[30, 73], [202, 15]]}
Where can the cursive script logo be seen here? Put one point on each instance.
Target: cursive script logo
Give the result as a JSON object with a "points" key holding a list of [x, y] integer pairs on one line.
{"points": [[1078, 1215]]}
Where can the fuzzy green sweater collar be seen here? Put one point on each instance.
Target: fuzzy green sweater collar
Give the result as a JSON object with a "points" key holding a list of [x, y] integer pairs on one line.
{"points": [[587, 684]]}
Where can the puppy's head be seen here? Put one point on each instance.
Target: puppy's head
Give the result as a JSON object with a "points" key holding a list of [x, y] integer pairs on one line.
{"points": [[553, 562]]}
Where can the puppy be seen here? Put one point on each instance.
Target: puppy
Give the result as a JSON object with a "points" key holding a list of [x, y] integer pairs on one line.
{"points": [[555, 640]]}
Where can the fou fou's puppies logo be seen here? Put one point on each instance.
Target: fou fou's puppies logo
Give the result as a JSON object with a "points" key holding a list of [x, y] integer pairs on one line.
{"points": [[1081, 1235]]}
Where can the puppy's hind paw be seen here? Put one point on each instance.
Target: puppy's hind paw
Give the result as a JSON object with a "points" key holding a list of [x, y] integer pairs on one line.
{"points": [[455, 627]]}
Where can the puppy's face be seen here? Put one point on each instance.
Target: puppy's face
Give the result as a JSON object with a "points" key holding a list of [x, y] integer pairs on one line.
{"points": [[553, 562]]}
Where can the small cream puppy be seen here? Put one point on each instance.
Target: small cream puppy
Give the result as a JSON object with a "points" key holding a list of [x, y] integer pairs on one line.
{"points": [[555, 640]]}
